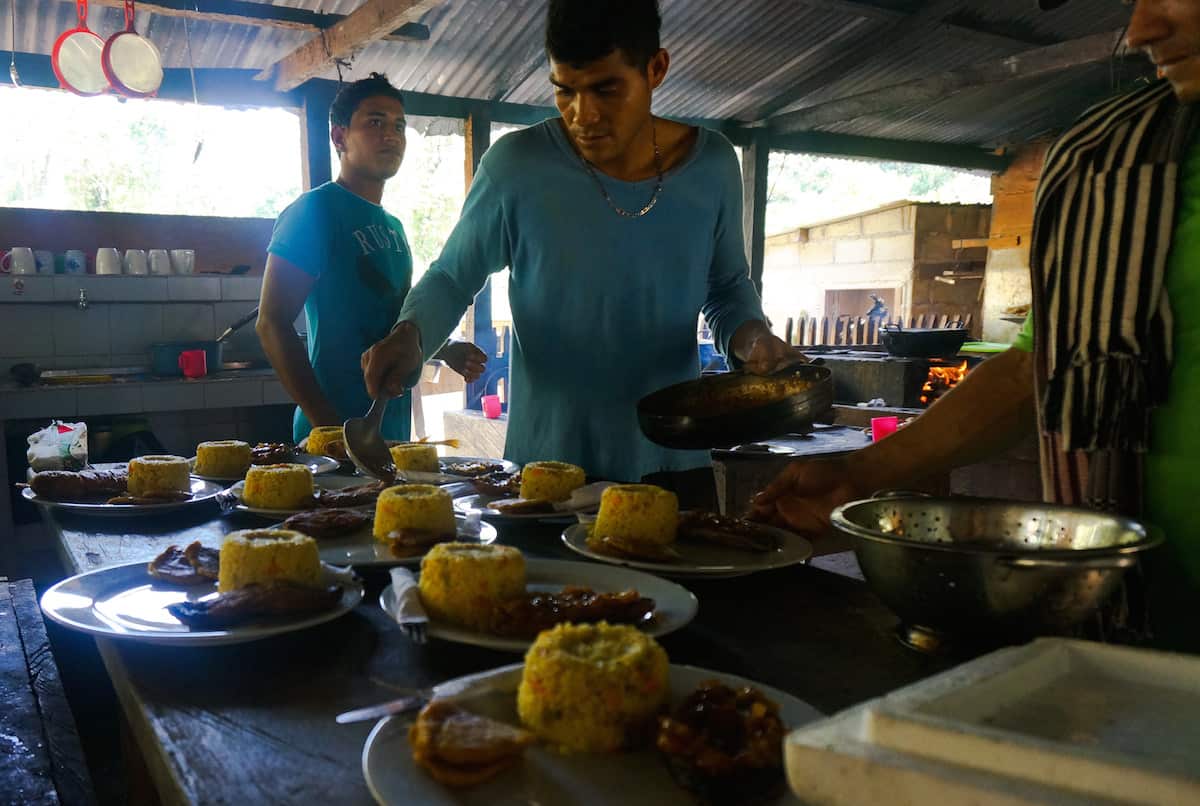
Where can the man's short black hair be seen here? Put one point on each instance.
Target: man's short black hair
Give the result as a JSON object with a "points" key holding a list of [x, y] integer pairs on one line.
{"points": [[351, 95], [583, 31]]}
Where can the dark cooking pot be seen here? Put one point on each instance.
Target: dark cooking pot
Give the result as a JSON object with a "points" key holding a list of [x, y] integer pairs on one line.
{"points": [[164, 357], [923, 342], [977, 568], [734, 408]]}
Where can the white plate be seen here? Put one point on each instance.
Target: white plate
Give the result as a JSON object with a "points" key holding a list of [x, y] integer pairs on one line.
{"points": [[426, 477], [202, 492], [545, 776], [327, 482], [473, 504], [362, 549], [702, 559], [124, 601], [317, 464], [674, 605], [420, 477]]}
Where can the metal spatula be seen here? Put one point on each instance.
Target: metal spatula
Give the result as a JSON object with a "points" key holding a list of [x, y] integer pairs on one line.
{"points": [[365, 444]]}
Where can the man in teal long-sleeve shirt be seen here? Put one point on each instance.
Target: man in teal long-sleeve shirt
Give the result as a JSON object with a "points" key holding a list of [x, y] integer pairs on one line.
{"points": [[619, 228]]}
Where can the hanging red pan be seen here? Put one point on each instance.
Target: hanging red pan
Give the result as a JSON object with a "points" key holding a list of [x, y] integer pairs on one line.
{"points": [[131, 61], [77, 56]]}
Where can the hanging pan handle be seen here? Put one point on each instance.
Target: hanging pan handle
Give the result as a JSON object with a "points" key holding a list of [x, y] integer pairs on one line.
{"points": [[129, 15], [81, 13]]}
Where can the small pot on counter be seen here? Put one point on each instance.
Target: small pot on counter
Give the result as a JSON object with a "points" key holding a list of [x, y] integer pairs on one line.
{"points": [[164, 356]]}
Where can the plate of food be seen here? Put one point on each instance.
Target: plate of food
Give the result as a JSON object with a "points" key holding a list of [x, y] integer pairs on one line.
{"points": [[635, 726], [324, 440], [407, 521], [228, 460], [640, 526], [258, 584], [148, 485], [541, 491], [357, 545], [494, 597], [419, 462], [279, 491]]}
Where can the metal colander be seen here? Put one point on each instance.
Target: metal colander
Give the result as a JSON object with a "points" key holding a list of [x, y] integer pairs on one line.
{"points": [[989, 569], [969, 524]]}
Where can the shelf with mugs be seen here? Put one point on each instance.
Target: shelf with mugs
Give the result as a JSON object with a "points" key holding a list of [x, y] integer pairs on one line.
{"points": [[67, 288]]}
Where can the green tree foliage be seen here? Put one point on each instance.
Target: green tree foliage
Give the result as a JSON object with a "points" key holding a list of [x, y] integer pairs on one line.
{"points": [[804, 189]]}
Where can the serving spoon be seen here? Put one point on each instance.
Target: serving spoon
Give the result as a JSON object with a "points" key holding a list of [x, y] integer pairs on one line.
{"points": [[365, 444]]}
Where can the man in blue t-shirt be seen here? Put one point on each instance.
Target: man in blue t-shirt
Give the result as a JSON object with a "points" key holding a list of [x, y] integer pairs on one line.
{"points": [[343, 259]]}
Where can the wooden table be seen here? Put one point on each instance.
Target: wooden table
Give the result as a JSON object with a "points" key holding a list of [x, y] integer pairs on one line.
{"points": [[254, 722], [43, 761]]}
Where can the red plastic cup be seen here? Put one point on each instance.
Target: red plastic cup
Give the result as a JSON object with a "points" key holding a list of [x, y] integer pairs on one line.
{"points": [[193, 363], [491, 406], [883, 426]]}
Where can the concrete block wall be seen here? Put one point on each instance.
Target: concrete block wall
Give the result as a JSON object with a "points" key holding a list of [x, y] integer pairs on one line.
{"points": [[901, 246], [41, 323], [871, 250]]}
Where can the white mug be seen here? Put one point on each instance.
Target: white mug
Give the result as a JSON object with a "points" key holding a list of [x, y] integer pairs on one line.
{"points": [[19, 260], [74, 262], [135, 262], [44, 260], [183, 261], [108, 261], [160, 261]]}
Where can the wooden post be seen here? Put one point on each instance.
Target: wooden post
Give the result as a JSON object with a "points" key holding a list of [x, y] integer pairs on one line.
{"points": [[315, 149], [477, 133], [755, 164]]}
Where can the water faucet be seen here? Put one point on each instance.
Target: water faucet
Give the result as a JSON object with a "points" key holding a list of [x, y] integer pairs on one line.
{"points": [[83, 300]]}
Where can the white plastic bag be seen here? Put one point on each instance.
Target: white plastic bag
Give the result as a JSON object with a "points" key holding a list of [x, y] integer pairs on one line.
{"points": [[58, 446]]}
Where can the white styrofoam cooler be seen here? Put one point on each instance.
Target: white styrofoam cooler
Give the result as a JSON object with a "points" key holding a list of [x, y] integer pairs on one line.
{"points": [[1056, 721]]}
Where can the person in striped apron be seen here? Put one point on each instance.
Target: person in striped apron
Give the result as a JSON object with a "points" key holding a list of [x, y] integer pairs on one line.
{"points": [[1108, 363]]}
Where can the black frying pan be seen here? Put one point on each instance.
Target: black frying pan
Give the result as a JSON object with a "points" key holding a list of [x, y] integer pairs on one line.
{"points": [[720, 411], [929, 342]]}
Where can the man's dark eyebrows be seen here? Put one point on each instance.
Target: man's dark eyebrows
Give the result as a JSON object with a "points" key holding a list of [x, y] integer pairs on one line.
{"points": [[604, 82]]}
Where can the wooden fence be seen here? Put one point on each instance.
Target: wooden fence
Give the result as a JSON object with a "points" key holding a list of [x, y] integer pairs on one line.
{"points": [[813, 332]]}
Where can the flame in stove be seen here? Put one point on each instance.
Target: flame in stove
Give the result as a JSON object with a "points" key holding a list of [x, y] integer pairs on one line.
{"points": [[940, 381]]}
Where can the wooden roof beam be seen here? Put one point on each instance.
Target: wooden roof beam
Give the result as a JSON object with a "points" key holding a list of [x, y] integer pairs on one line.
{"points": [[368, 23], [1029, 64], [261, 15]]}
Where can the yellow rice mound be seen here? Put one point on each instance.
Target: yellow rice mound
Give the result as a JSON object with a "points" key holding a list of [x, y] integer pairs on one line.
{"points": [[320, 437], [286, 486], [414, 506], [262, 556], [227, 458], [158, 474], [592, 687], [461, 582], [550, 481], [420, 458], [639, 513]]}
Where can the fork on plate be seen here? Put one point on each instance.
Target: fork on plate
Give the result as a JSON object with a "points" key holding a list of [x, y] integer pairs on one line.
{"points": [[416, 629]]}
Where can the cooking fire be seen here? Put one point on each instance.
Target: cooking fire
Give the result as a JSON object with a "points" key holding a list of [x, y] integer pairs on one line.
{"points": [[941, 380]]}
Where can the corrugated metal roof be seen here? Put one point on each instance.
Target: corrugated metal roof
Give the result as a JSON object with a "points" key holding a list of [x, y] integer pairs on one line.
{"points": [[725, 64]]}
